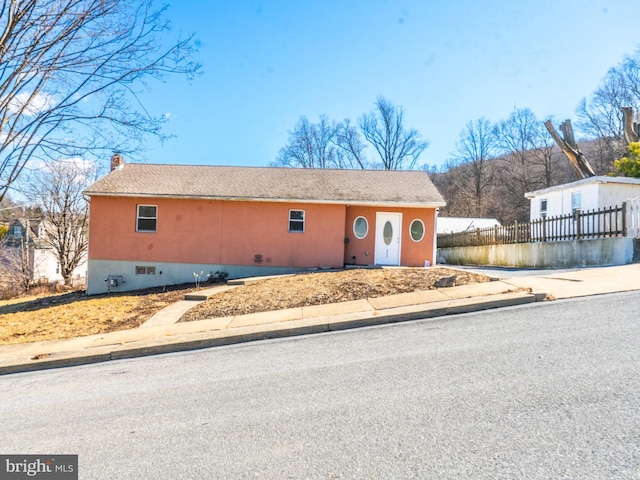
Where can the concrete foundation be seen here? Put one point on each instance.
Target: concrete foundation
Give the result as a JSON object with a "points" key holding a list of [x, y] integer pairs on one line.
{"points": [[107, 276], [575, 253]]}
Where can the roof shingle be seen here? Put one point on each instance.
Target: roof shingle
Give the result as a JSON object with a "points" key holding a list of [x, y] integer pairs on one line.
{"points": [[270, 184]]}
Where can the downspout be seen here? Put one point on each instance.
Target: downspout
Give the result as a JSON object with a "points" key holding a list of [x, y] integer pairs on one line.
{"points": [[435, 237]]}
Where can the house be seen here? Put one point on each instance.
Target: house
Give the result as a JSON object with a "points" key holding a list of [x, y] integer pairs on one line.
{"points": [[153, 225], [25, 246], [588, 194], [464, 224]]}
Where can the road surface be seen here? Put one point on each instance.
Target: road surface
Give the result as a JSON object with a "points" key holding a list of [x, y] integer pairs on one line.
{"points": [[543, 391]]}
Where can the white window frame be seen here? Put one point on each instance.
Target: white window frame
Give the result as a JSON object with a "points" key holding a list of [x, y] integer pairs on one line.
{"points": [[297, 221], [424, 230], [366, 222], [139, 217], [543, 212], [574, 196]]}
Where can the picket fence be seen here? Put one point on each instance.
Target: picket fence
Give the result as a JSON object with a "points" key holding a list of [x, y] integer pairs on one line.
{"points": [[617, 221]]}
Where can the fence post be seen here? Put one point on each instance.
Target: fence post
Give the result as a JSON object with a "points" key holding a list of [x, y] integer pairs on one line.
{"points": [[578, 224], [624, 219], [634, 217]]}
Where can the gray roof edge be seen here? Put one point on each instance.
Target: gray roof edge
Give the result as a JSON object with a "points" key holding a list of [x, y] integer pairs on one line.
{"points": [[352, 202]]}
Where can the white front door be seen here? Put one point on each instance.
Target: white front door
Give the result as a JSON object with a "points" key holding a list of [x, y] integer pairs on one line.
{"points": [[388, 233]]}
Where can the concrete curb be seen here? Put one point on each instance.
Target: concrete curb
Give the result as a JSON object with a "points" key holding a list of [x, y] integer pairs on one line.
{"points": [[178, 342]]}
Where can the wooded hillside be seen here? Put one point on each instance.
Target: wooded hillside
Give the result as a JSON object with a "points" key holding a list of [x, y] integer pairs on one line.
{"points": [[505, 179]]}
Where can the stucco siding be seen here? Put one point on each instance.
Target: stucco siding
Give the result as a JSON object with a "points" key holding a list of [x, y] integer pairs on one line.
{"points": [[413, 254], [217, 232]]}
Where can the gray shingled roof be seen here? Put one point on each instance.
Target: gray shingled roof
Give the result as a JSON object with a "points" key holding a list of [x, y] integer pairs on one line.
{"points": [[270, 184]]}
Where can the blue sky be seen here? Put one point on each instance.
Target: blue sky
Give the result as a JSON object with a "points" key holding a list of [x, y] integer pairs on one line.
{"points": [[266, 63]]}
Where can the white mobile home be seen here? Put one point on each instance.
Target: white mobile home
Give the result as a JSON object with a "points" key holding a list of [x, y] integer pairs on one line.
{"points": [[591, 193]]}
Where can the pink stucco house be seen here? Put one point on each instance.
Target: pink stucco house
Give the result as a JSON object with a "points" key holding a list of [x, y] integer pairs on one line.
{"points": [[154, 225]]}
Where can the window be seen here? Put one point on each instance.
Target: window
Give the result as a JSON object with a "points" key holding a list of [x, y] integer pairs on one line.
{"points": [[145, 270], [147, 218], [387, 233], [417, 230], [543, 208], [360, 227], [576, 202], [296, 220], [17, 230]]}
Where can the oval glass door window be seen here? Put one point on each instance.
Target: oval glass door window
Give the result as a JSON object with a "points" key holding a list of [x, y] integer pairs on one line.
{"points": [[387, 233]]}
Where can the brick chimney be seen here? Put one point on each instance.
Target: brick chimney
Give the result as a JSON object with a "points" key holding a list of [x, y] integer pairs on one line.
{"points": [[116, 161]]}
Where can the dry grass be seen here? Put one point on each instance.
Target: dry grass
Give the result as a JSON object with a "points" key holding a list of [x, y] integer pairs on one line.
{"points": [[322, 288], [32, 319], [74, 314]]}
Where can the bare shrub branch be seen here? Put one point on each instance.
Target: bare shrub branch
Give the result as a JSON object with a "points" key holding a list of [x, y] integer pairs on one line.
{"points": [[70, 75]]}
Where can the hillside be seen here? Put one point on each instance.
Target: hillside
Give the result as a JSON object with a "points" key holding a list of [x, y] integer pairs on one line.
{"points": [[503, 181]]}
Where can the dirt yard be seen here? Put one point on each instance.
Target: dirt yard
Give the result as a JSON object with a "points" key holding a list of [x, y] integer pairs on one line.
{"points": [[74, 314], [32, 319], [325, 287]]}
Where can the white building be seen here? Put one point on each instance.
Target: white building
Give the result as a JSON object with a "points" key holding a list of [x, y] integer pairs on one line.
{"points": [[25, 239], [588, 194]]}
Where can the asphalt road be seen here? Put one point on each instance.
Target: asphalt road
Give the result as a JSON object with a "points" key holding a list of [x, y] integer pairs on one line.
{"points": [[544, 391]]}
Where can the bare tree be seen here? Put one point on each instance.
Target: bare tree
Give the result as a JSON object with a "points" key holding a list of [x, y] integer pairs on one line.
{"points": [[630, 126], [350, 145], [570, 148], [311, 145], [70, 73], [475, 147], [517, 137], [17, 263], [455, 184], [543, 155], [601, 116], [398, 147], [331, 144], [56, 189]]}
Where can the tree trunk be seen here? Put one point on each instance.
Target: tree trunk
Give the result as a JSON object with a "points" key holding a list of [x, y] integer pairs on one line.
{"points": [[570, 149], [630, 127]]}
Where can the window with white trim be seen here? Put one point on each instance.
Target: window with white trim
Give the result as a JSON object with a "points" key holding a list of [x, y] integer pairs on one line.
{"points": [[147, 218], [360, 227], [296, 221], [543, 208], [576, 202], [416, 230]]}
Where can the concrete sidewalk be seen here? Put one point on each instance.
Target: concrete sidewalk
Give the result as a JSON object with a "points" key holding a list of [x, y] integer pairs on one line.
{"points": [[161, 334]]}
